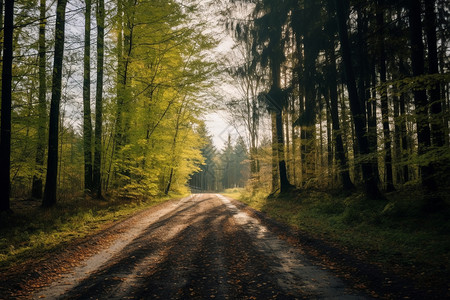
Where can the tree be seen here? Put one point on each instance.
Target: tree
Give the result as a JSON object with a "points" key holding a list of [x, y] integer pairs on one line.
{"points": [[49, 198], [268, 35], [87, 123], [369, 178], [437, 130], [420, 95], [245, 110], [384, 99], [36, 189], [333, 94], [205, 179], [5, 131], [99, 99]]}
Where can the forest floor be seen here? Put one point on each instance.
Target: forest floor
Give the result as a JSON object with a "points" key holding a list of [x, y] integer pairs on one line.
{"points": [[199, 247]]}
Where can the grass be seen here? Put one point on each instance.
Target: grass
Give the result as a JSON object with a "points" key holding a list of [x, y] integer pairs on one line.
{"points": [[396, 231], [31, 231]]}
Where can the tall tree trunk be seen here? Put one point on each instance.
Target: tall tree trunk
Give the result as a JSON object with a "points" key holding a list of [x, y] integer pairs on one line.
{"points": [[284, 181], [124, 47], [87, 123], [397, 137], [403, 128], [294, 149], [420, 95], [340, 151], [275, 177], [299, 73], [5, 131], [278, 111], [437, 128], [372, 119], [369, 178], [36, 189], [97, 184], [288, 143], [309, 116], [384, 99], [329, 141], [117, 131], [363, 84], [49, 198], [174, 144]]}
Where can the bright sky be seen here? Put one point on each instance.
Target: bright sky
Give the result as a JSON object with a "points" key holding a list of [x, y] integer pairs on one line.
{"points": [[216, 121], [220, 129]]}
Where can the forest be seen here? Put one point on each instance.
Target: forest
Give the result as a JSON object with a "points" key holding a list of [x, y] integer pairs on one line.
{"points": [[107, 99], [343, 95], [101, 98], [337, 118]]}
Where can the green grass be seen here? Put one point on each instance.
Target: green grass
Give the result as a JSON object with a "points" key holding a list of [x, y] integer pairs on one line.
{"points": [[392, 231], [234, 193], [31, 231]]}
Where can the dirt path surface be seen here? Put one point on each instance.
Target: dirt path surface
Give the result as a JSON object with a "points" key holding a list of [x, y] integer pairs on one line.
{"points": [[200, 247]]}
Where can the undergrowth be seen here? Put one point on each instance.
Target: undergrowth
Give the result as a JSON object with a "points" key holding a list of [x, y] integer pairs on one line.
{"points": [[31, 231]]}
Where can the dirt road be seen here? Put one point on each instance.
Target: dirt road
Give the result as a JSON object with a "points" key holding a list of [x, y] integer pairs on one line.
{"points": [[200, 247]]}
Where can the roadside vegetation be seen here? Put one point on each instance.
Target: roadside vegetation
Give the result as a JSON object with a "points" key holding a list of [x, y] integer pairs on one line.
{"points": [[398, 232], [32, 231]]}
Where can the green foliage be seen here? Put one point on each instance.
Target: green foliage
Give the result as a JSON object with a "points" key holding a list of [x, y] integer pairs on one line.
{"points": [[161, 109], [151, 110]]}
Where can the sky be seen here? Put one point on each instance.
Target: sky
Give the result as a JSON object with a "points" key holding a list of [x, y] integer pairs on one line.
{"points": [[219, 128], [216, 121]]}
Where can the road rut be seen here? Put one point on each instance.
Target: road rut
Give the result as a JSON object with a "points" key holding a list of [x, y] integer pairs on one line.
{"points": [[201, 247]]}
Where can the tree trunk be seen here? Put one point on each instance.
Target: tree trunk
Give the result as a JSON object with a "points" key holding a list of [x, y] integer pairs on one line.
{"points": [[275, 177], [310, 51], [403, 128], [278, 111], [384, 99], [288, 143], [5, 131], [284, 181], [329, 141], [124, 47], [87, 123], [169, 182], [97, 184], [437, 128], [397, 138], [36, 189], [369, 178], [174, 144], [294, 149], [49, 198], [420, 95], [340, 151]]}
